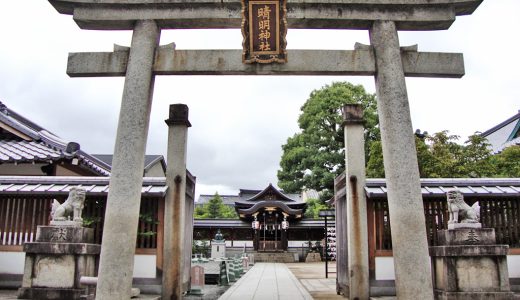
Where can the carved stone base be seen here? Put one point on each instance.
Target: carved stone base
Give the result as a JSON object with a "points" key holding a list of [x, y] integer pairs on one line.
{"points": [[57, 260], [66, 223], [464, 225], [468, 264], [49, 293], [473, 295]]}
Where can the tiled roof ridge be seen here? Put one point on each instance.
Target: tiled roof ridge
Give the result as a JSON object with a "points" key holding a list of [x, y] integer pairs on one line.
{"points": [[42, 136], [500, 125], [453, 181]]}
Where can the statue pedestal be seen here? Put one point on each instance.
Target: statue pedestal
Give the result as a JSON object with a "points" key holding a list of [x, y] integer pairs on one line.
{"points": [[57, 260], [218, 249], [467, 264]]}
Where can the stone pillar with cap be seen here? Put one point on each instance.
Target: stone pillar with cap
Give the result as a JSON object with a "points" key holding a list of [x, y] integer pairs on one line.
{"points": [[116, 263], [356, 205], [410, 246], [175, 203]]}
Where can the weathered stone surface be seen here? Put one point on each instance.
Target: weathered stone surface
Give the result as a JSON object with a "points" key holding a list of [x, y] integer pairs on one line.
{"points": [[356, 205], [454, 226], [64, 234], [410, 247], [175, 206], [124, 197], [54, 271], [301, 62], [70, 209], [311, 257], [466, 236], [350, 14], [469, 265], [480, 250], [50, 294], [218, 249], [62, 248]]}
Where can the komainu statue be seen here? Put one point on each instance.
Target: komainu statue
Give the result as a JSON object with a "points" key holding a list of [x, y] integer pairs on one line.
{"points": [[72, 206], [459, 211]]}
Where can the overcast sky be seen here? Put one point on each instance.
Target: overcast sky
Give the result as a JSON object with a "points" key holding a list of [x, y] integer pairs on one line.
{"points": [[240, 123]]}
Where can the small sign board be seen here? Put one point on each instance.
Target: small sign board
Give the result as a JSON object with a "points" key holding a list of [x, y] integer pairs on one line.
{"points": [[264, 28], [197, 278]]}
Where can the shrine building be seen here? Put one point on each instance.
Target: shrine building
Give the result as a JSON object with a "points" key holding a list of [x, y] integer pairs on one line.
{"points": [[269, 220]]}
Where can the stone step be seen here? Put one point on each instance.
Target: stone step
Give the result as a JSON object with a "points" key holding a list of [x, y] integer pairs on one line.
{"points": [[280, 257]]}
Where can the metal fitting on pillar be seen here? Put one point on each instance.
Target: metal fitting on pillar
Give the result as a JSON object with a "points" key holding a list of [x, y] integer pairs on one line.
{"points": [[178, 115]]}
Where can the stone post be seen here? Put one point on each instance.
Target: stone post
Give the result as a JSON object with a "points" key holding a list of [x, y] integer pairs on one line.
{"points": [[175, 203], [124, 197], [356, 205], [410, 247]]}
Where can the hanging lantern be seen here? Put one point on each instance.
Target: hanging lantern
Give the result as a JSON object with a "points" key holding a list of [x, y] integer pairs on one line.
{"points": [[256, 225], [285, 224]]}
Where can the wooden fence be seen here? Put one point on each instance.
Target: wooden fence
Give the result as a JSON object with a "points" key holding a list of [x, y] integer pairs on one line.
{"points": [[501, 214], [21, 214]]}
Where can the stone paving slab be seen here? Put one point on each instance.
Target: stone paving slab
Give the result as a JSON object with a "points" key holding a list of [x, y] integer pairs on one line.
{"points": [[11, 295], [267, 281]]}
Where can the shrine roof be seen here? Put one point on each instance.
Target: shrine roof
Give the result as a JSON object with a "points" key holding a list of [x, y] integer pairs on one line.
{"points": [[270, 204], [58, 185], [23, 141], [149, 160], [247, 196], [270, 194]]}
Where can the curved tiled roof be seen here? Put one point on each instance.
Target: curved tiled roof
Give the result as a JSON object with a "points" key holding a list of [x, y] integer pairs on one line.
{"points": [[24, 151], [40, 145], [42, 185]]}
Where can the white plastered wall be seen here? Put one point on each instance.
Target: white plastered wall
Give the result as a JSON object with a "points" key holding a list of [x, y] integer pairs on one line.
{"points": [[12, 262]]}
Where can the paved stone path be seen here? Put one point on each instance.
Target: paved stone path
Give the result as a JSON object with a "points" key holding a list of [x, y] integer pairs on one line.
{"points": [[267, 281]]}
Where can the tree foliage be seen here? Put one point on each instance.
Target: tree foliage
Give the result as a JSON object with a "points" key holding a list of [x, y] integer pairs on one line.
{"points": [[313, 157], [313, 208], [441, 156], [507, 162], [215, 209]]}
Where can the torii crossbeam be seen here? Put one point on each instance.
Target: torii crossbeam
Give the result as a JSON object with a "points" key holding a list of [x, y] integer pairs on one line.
{"points": [[383, 59]]}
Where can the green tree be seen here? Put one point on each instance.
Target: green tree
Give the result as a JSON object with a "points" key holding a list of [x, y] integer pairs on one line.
{"points": [[440, 155], [447, 156], [313, 157], [478, 157], [507, 162], [313, 208], [215, 209], [375, 167]]}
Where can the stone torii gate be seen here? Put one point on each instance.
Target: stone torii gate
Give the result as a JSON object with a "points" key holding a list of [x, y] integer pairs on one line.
{"points": [[383, 59]]}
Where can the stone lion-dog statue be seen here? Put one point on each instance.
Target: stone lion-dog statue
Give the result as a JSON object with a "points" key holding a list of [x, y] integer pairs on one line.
{"points": [[459, 211], [72, 206]]}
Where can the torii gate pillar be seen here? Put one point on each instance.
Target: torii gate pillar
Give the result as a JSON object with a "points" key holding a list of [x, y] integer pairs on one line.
{"points": [[410, 247], [124, 197]]}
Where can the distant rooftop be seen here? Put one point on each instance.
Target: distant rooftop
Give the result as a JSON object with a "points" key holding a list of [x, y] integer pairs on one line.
{"points": [[505, 134], [23, 141]]}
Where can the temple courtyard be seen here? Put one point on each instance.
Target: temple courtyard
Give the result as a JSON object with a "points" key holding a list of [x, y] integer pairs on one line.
{"points": [[266, 281], [303, 280]]}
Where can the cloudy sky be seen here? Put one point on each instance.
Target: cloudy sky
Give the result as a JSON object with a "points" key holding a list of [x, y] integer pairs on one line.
{"points": [[240, 123]]}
